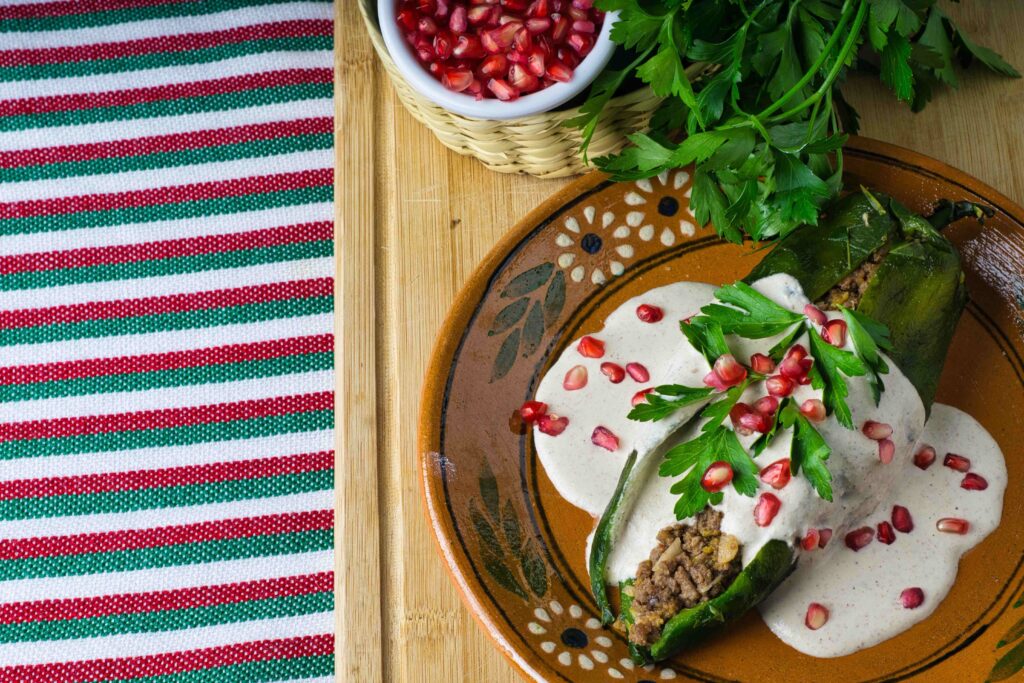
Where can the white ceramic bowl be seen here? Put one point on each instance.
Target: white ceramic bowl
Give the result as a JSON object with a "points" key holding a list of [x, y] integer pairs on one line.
{"points": [[467, 105]]}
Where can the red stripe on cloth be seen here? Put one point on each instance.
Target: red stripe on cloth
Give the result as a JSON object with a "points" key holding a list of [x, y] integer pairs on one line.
{"points": [[166, 418], [168, 195], [171, 303], [122, 98], [160, 537], [164, 143], [68, 7], [150, 251], [173, 360], [188, 475], [170, 663], [160, 601], [297, 28]]}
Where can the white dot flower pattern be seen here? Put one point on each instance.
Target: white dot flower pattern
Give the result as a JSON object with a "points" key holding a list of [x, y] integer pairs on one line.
{"points": [[578, 640], [591, 243]]}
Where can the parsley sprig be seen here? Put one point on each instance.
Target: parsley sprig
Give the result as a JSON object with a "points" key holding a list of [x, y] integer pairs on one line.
{"points": [[752, 94]]}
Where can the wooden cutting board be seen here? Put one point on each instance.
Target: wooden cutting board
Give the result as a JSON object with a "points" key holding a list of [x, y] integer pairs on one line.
{"points": [[413, 220]]}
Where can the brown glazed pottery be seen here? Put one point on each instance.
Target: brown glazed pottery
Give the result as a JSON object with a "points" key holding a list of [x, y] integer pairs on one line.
{"points": [[515, 549]]}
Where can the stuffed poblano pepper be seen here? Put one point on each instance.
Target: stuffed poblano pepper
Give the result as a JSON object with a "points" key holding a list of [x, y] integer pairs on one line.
{"points": [[815, 372]]}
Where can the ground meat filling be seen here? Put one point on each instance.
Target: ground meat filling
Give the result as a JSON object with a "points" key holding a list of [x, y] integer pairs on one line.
{"points": [[690, 565], [850, 289]]}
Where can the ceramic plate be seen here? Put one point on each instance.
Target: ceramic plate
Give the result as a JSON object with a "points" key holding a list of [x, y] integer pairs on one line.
{"points": [[515, 549]]}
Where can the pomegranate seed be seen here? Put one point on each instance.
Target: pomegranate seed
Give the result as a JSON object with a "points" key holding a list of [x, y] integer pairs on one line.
{"points": [[532, 410], [714, 381], [817, 616], [834, 332], [479, 14], [538, 26], [754, 422], [434, 68], [558, 71], [604, 438], [886, 451], [516, 57], [974, 482], [953, 525], [649, 314], [766, 509], [502, 37], [778, 474], [475, 88], [457, 79], [886, 534], [444, 44], [458, 21], [737, 414], [572, 60], [552, 425], [716, 477], [522, 79], [924, 457], [813, 410], [426, 26], [858, 538], [767, 405], [796, 352], [575, 379], [956, 462], [537, 8], [581, 43], [912, 597], [791, 368], [559, 27], [576, 14], [811, 540], [493, 66], [515, 5], [590, 347], [583, 4], [442, 9], [523, 42], [876, 430], [729, 370], [468, 47], [638, 372], [902, 520], [407, 19], [761, 364], [641, 396], [805, 367], [502, 90], [815, 314], [426, 6], [778, 385], [535, 62], [825, 535], [613, 372], [583, 26]]}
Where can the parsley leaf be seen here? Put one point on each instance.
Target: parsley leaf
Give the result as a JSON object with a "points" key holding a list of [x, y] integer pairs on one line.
{"points": [[808, 451], [657, 407], [749, 314], [705, 335], [765, 440], [868, 336], [830, 364], [695, 456]]}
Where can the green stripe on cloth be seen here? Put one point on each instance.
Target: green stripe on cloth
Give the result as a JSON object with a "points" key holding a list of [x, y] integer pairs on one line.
{"points": [[169, 620], [162, 59], [171, 436], [165, 212], [251, 672], [186, 157], [173, 107], [67, 22], [172, 496], [185, 320], [194, 263], [167, 556], [160, 379]]}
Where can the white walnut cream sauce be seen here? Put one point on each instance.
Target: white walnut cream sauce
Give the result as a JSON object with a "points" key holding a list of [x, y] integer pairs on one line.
{"points": [[863, 590]]}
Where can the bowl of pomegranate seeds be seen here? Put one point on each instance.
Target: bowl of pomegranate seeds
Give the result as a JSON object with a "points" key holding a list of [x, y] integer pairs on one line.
{"points": [[497, 59]]}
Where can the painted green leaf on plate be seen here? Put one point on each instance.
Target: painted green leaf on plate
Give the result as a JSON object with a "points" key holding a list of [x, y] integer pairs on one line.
{"points": [[509, 316], [528, 280], [533, 330], [506, 355]]}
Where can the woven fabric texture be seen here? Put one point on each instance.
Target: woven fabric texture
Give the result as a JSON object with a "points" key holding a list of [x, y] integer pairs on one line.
{"points": [[166, 335]]}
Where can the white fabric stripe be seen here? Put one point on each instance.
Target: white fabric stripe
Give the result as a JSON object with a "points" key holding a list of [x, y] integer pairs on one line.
{"points": [[137, 645], [113, 183], [163, 125], [160, 342], [166, 578], [171, 26], [184, 283], [156, 399], [147, 519], [168, 456], [160, 231], [260, 62]]}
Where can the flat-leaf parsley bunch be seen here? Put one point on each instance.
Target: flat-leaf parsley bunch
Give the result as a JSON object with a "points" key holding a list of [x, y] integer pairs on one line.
{"points": [[765, 122]]}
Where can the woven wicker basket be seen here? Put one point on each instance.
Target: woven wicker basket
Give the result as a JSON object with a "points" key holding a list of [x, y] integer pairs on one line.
{"points": [[539, 145]]}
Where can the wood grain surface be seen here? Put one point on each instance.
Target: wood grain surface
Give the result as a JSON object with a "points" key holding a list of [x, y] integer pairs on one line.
{"points": [[413, 220]]}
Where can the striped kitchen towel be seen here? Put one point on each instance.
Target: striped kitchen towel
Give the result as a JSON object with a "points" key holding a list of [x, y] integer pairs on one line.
{"points": [[166, 404]]}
